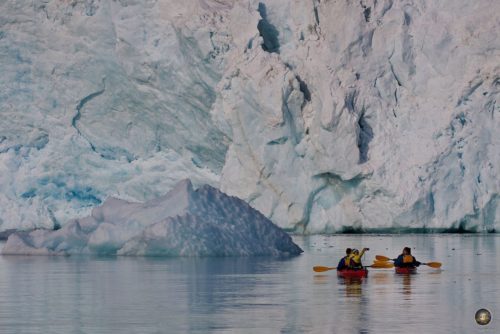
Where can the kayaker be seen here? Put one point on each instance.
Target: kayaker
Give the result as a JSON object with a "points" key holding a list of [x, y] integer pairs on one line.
{"points": [[355, 259], [344, 262], [406, 260]]}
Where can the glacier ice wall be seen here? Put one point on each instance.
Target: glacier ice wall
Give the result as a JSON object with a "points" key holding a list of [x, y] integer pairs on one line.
{"points": [[371, 114], [101, 98], [324, 115]]}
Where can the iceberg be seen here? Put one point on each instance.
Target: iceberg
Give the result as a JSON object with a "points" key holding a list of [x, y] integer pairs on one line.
{"points": [[184, 222]]}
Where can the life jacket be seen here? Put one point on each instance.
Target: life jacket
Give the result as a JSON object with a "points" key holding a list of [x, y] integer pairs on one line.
{"points": [[407, 259], [353, 263]]}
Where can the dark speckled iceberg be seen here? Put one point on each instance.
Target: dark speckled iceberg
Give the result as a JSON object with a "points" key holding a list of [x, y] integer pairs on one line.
{"points": [[184, 222]]}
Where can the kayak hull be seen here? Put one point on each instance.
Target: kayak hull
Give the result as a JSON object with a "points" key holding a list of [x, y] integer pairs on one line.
{"points": [[405, 270], [349, 273]]}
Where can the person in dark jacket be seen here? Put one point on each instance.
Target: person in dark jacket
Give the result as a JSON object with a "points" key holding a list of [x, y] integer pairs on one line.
{"points": [[344, 262], [406, 260]]}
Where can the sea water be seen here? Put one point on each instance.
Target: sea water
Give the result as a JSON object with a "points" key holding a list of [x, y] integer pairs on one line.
{"points": [[42, 294]]}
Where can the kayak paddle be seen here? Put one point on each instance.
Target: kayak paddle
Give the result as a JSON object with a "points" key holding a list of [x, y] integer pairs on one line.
{"points": [[320, 269], [379, 265], [382, 258], [433, 264], [430, 264]]}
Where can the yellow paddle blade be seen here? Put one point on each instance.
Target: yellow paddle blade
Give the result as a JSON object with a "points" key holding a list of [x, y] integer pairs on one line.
{"points": [[433, 264], [320, 269], [382, 265], [382, 258]]}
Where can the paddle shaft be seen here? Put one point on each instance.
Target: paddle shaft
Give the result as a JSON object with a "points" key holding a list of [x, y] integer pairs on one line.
{"points": [[320, 269], [430, 264]]}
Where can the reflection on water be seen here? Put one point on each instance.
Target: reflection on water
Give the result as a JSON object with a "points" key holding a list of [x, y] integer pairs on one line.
{"points": [[353, 286], [249, 295], [407, 285], [322, 279], [380, 277]]}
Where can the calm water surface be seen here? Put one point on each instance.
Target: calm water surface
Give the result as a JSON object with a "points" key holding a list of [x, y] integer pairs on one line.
{"points": [[257, 295]]}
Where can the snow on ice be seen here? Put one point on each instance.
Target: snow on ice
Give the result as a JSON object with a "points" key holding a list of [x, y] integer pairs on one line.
{"points": [[324, 115]]}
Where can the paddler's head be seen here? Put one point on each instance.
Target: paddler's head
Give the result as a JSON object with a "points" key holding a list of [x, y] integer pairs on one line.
{"points": [[348, 251], [407, 251]]}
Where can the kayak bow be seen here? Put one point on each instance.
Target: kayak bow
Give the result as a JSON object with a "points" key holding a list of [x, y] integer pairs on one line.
{"points": [[348, 273], [406, 270]]}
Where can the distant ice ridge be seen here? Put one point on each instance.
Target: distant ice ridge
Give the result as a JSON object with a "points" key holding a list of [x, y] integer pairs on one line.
{"points": [[184, 222], [326, 116]]}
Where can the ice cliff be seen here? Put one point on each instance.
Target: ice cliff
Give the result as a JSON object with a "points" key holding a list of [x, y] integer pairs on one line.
{"points": [[324, 115], [184, 222]]}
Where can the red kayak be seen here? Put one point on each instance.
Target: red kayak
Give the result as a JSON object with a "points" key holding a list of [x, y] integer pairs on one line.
{"points": [[348, 273], [406, 270]]}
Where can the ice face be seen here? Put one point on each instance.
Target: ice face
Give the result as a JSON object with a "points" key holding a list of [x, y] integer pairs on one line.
{"points": [[100, 99], [373, 116], [325, 116], [185, 222]]}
